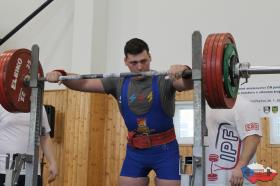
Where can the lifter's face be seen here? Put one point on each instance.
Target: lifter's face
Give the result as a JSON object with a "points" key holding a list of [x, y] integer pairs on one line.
{"points": [[138, 62]]}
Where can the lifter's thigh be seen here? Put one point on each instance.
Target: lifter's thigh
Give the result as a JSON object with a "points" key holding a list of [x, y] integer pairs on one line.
{"points": [[130, 181], [164, 182]]}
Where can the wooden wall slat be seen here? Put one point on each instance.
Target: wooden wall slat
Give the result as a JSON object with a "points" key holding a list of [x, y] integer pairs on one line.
{"points": [[58, 99], [83, 139], [73, 142], [184, 96], [109, 163], [96, 163]]}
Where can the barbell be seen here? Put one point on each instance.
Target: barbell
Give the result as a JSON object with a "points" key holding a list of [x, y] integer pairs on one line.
{"points": [[221, 72]]}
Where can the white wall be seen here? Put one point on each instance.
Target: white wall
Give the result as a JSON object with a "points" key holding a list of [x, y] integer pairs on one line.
{"points": [[71, 34], [51, 29], [167, 26], [88, 36]]}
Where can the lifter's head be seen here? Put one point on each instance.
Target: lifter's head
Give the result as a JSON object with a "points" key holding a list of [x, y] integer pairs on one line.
{"points": [[137, 56]]}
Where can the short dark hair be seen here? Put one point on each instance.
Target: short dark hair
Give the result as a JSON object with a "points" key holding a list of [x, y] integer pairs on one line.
{"points": [[135, 46]]}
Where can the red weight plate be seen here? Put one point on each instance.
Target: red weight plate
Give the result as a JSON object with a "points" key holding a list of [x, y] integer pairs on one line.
{"points": [[217, 73], [3, 99], [210, 86], [206, 75], [213, 81], [204, 68], [205, 71], [213, 73], [209, 71], [16, 68], [226, 101]]}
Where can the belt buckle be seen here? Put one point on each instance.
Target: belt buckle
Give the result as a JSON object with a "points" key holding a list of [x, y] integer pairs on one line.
{"points": [[147, 139]]}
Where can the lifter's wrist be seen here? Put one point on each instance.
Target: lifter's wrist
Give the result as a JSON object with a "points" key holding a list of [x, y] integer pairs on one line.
{"points": [[241, 164]]}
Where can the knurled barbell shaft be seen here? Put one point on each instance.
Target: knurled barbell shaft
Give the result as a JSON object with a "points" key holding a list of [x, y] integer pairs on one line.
{"points": [[111, 75], [185, 74]]}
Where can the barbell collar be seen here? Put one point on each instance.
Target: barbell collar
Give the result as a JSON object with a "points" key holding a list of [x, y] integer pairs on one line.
{"points": [[241, 70], [244, 70]]}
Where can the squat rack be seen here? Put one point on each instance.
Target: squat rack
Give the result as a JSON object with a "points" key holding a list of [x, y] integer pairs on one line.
{"points": [[32, 155], [200, 129]]}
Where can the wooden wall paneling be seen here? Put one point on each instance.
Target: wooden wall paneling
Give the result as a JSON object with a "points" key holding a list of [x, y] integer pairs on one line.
{"points": [[117, 142], [72, 155], [122, 143], [112, 147], [74, 124], [265, 123], [70, 139], [184, 96], [262, 146], [96, 162], [275, 165], [152, 176], [276, 154], [58, 99], [76, 139], [268, 155], [83, 137], [262, 156], [115, 139], [109, 121]]}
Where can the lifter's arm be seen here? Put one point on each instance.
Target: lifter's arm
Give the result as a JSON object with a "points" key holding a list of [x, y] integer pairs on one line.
{"points": [[85, 85]]}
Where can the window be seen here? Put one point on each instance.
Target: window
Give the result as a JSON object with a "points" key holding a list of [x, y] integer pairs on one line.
{"points": [[183, 121]]}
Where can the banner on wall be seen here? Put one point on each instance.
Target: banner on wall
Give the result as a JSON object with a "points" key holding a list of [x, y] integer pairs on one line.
{"points": [[266, 96]]}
